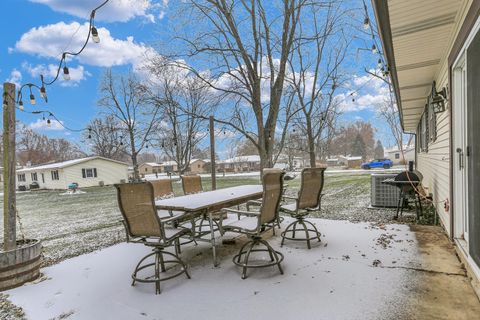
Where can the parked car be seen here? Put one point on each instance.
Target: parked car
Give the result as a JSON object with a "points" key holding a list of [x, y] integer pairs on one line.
{"points": [[379, 163]]}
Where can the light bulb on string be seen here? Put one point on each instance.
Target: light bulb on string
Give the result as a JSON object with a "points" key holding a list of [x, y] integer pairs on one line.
{"points": [[366, 23], [66, 73], [95, 36], [20, 105], [32, 99], [49, 123], [379, 64], [374, 49]]}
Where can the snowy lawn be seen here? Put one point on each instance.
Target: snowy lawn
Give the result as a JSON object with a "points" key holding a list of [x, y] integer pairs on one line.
{"points": [[70, 225], [349, 275]]}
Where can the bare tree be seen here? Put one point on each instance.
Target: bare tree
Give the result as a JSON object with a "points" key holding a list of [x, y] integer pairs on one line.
{"points": [[247, 47], [35, 148], [125, 98], [185, 102], [105, 139], [319, 51]]}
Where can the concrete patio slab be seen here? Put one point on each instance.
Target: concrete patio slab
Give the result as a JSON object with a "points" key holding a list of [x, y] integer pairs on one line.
{"points": [[358, 271]]}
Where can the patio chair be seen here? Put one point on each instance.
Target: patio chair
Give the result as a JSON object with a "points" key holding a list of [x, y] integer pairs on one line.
{"points": [[143, 226], [258, 222], [192, 184], [308, 199], [162, 189]]}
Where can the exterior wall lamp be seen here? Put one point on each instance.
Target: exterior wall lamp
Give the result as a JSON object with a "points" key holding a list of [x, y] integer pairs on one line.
{"points": [[437, 99]]}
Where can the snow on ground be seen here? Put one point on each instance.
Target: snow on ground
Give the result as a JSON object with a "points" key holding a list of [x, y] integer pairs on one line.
{"points": [[355, 272], [330, 170]]}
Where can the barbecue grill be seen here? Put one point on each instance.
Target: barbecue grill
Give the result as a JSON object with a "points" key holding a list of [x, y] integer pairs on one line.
{"points": [[408, 183]]}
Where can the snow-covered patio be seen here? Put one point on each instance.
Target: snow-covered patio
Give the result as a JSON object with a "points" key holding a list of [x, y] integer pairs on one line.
{"points": [[359, 271]]}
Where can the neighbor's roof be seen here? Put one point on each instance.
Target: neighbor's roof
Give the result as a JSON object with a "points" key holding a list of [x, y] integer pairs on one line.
{"points": [[251, 158], [169, 163], [416, 38], [350, 158], [204, 160], [152, 164], [68, 163]]}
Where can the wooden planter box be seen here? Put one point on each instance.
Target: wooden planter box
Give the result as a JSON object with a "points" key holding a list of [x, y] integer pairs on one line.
{"points": [[20, 265]]}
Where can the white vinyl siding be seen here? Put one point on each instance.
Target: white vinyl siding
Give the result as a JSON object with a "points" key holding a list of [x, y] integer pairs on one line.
{"points": [[434, 164]]}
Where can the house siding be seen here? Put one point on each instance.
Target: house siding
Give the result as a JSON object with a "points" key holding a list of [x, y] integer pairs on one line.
{"points": [[107, 171], [435, 164]]}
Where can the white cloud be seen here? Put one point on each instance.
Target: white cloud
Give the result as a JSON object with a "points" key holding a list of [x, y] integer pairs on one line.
{"points": [[41, 124], [15, 78], [77, 74], [49, 41], [365, 92], [114, 10]]}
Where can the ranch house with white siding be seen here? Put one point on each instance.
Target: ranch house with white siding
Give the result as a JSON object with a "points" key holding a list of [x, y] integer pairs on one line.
{"points": [[432, 48], [86, 172]]}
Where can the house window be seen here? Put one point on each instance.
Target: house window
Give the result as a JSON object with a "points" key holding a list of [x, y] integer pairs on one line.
{"points": [[55, 175], [21, 177], [423, 132], [89, 173], [34, 176], [432, 124], [146, 169], [397, 155]]}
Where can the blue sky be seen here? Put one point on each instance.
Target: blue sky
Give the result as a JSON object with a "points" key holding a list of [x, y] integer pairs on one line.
{"points": [[36, 31]]}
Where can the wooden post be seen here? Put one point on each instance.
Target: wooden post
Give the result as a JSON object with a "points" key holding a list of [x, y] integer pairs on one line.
{"points": [[9, 163], [212, 154]]}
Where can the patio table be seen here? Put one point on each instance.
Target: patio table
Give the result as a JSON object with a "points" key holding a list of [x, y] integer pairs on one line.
{"points": [[210, 202]]}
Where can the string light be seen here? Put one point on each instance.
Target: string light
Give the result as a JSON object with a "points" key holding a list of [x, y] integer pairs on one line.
{"points": [[32, 99], [49, 123], [66, 73], [374, 49], [20, 105], [95, 36], [366, 23]]}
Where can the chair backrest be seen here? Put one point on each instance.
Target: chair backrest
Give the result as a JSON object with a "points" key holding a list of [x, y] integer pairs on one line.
{"points": [[311, 187], [272, 180], [138, 209], [162, 188], [192, 184]]}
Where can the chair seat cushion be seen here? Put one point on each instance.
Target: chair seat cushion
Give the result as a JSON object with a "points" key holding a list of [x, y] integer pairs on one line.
{"points": [[171, 233], [162, 214], [291, 207], [248, 224]]}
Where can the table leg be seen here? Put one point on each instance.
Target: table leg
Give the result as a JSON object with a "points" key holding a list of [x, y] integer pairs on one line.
{"points": [[212, 239]]}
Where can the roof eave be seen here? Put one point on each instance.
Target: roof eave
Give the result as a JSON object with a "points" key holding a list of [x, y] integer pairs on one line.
{"points": [[380, 8]]}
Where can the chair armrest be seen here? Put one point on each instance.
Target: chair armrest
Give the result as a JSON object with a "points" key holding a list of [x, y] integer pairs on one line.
{"points": [[253, 203], [289, 197], [243, 212]]}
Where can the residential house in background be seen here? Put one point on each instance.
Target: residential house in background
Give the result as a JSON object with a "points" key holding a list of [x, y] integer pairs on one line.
{"points": [[149, 168], [86, 172], [169, 166], [199, 166], [239, 164], [401, 156], [350, 162], [432, 48]]}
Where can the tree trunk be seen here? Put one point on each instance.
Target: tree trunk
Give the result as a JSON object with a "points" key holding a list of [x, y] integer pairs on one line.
{"points": [[136, 175], [311, 144]]}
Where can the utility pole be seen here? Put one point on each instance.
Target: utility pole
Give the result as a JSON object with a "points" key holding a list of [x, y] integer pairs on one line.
{"points": [[212, 154], [9, 163]]}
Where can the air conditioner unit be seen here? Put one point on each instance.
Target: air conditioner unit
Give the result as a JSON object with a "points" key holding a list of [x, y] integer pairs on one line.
{"points": [[383, 195]]}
